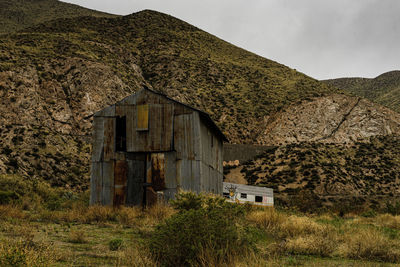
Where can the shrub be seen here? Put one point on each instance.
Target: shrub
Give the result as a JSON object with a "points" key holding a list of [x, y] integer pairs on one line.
{"points": [[369, 244], [6, 197], [77, 236], [115, 244], [202, 223]]}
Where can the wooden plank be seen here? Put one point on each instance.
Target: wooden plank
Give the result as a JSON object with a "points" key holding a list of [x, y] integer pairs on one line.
{"points": [[96, 181], [98, 139], [108, 183], [109, 144]]}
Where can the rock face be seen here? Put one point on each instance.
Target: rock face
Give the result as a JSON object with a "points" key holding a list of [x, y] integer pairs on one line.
{"points": [[330, 119], [46, 122]]}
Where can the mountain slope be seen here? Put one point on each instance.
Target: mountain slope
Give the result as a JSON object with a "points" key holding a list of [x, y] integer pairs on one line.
{"points": [[18, 14], [55, 75], [384, 89], [330, 174]]}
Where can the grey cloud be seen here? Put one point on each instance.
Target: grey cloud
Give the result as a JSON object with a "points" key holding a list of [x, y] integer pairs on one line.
{"points": [[324, 39]]}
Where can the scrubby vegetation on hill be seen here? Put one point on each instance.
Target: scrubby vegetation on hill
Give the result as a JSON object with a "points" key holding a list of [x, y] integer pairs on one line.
{"points": [[55, 75], [195, 231], [384, 89], [343, 175], [18, 14]]}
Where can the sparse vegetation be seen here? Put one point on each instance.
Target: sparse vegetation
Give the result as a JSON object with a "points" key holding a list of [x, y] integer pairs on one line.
{"points": [[362, 176], [214, 232]]}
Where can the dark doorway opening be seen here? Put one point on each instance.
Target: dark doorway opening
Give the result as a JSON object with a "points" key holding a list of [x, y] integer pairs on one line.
{"points": [[120, 133]]}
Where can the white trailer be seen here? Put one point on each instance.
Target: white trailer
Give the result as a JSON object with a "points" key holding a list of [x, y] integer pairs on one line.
{"points": [[254, 195]]}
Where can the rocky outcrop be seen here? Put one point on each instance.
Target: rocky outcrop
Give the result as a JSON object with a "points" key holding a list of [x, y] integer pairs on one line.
{"points": [[330, 119]]}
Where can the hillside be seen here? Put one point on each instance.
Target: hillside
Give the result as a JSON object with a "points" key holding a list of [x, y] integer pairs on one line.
{"points": [[333, 174], [19, 14], [384, 89], [55, 75]]}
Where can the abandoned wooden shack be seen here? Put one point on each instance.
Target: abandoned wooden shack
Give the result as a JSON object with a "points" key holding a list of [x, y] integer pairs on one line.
{"points": [[147, 146]]}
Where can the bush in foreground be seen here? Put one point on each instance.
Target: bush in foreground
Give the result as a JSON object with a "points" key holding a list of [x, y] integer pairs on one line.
{"points": [[203, 224]]}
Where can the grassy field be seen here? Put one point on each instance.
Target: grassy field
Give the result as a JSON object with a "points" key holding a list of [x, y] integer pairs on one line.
{"points": [[79, 235]]}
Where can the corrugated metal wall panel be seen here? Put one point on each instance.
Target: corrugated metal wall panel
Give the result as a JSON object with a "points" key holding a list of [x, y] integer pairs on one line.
{"points": [[170, 170], [159, 135], [186, 136], [136, 178], [109, 138], [106, 112], [120, 182], [108, 183], [98, 139], [196, 175], [96, 183]]}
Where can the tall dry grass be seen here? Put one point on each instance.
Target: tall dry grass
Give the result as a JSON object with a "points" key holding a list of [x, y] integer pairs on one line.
{"points": [[368, 243], [134, 256], [303, 235], [22, 253]]}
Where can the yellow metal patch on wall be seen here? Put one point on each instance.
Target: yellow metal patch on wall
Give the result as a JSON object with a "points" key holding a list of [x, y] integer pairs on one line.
{"points": [[142, 117]]}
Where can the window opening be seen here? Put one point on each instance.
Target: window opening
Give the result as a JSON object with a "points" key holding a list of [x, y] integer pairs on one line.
{"points": [[120, 134], [259, 198], [243, 195]]}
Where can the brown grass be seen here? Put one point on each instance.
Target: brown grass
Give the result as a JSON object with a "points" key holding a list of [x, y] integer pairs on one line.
{"points": [[268, 219], [21, 253], [10, 211], [134, 256], [370, 244], [77, 236]]}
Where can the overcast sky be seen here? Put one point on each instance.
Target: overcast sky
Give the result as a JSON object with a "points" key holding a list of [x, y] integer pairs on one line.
{"points": [[321, 38]]}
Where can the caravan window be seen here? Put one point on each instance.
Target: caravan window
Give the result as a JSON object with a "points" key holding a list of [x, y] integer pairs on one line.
{"points": [[259, 198], [243, 195]]}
